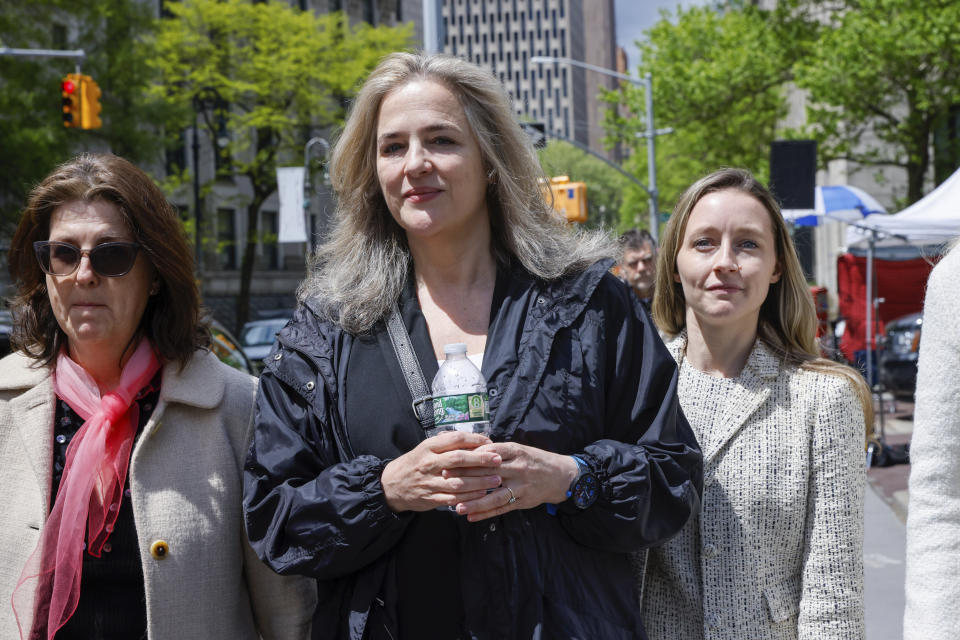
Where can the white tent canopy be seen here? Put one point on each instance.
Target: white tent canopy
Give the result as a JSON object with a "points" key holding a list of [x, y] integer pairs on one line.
{"points": [[933, 220]]}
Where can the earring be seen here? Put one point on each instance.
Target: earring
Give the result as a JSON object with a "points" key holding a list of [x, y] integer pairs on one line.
{"points": [[490, 175]]}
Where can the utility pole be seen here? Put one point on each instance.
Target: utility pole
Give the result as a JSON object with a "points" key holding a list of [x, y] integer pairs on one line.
{"points": [[432, 26], [306, 185], [650, 134]]}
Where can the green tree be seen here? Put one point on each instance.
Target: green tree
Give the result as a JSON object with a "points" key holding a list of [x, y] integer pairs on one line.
{"points": [[113, 34], [280, 71], [882, 76], [605, 187], [718, 81]]}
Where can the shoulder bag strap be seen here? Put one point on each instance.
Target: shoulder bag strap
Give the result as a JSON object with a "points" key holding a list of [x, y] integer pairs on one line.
{"points": [[410, 365]]}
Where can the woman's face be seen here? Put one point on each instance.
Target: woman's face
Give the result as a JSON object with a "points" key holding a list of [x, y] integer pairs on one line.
{"points": [[93, 310], [428, 163], [727, 260]]}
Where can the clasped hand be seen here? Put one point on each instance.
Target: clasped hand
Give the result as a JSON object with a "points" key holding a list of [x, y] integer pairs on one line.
{"points": [[476, 476]]}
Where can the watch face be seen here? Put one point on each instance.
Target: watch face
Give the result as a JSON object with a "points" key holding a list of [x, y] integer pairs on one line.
{"points": [[586, 490]]}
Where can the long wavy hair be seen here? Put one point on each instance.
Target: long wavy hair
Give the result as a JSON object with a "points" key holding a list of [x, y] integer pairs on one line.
{"points": [[357, 274], [788, 318], [172, 317]]}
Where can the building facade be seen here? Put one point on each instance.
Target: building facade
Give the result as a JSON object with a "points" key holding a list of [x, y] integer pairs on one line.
{"points": [[504, 35]]}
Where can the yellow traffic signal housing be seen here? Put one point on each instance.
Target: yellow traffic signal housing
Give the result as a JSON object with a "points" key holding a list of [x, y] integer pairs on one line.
{"points": [[70, 91], [90, 99], [569, 198]]}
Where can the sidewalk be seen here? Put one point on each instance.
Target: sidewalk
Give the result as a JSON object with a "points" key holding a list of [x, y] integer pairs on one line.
{"points": [[884, 543], [890, 483]]}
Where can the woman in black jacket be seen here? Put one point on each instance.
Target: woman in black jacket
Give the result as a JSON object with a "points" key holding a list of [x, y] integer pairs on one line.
{"points": [[440, 215]]}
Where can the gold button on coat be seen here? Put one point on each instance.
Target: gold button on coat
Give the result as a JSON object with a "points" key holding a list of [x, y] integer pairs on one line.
{"points": [[159, 549]]}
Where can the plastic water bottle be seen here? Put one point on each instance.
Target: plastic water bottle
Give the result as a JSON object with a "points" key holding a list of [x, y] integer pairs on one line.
{"points": [[459, 394]]}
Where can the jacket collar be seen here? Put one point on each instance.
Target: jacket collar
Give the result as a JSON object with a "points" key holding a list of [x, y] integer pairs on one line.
{"points": [[199, 383], [31, 412], [753, 389], [18, 371]]}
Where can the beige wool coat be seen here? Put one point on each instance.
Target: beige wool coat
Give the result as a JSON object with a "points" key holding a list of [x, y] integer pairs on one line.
{"points": [[777, 550], [185, 484]]}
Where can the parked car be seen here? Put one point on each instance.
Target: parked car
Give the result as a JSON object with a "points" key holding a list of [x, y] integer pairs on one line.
{"points": [[257, 337], [228, 349], [6, 328], [898, 356]]}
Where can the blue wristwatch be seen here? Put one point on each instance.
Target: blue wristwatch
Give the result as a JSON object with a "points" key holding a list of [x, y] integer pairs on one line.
{"points": [[585, 488]]}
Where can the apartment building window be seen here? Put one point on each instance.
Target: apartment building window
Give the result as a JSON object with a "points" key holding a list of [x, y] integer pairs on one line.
{"points": [[269, 229], [946, 145], [563, 78], [226, 258], [58, 33], [176, 156]]}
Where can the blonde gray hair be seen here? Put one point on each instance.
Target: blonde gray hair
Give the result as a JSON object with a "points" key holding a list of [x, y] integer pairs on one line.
{"points": [[358, 273], [788, 319]]}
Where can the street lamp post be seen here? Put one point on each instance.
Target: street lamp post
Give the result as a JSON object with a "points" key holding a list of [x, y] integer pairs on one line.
{"points": [[306, 184], [650, 134], [202, 100]]}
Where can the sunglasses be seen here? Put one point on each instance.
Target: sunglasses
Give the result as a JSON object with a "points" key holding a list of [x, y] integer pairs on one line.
{"points": [[110, 259]]}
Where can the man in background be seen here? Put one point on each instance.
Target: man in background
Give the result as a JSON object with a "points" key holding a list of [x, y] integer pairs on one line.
{"points": [[638, 266]]}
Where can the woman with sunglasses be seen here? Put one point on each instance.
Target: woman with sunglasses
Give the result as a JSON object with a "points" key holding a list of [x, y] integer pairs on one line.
{"points": [[121, 435]]}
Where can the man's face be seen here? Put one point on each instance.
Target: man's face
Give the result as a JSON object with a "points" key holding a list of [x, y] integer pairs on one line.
{"points": [[639, 268]]}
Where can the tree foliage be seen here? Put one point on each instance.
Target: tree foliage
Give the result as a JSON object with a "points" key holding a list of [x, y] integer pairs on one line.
{"points": [[878, 77], [718, 81], [113, 35], [882, 75], [281, 72]]}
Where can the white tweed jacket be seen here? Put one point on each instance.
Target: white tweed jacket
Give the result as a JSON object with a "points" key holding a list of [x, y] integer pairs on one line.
{"points": [[933, 522], [185, 484], [777, 550]]}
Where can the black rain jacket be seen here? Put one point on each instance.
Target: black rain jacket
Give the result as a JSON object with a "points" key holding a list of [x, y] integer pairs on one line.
{"points": [[573, 366]]}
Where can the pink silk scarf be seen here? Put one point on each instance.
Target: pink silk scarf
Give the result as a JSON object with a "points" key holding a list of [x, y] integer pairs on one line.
{"points": [[90, 489]]}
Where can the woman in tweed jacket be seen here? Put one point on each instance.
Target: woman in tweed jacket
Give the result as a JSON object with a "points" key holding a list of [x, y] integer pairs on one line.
{"points": [[776, 552]]}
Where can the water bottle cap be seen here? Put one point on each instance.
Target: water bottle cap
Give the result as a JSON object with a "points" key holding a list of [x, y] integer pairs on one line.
{"points": [[456, 347]]}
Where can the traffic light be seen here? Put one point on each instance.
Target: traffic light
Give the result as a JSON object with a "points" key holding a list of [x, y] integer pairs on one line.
{"points": [[569, 198], [90, 100], [70, 99]]}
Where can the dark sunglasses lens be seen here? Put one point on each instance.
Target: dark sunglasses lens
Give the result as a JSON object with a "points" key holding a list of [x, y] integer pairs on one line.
{"points": [[113, 259], [59, 259]]}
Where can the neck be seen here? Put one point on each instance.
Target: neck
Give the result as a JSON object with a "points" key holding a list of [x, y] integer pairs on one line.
{"points": [[643, 294], [103, 362], [720, 351], [461, 263]]}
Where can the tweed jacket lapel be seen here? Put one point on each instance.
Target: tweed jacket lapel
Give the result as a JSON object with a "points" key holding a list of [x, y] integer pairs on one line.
{"points": [[754, 389], [32, 414]]}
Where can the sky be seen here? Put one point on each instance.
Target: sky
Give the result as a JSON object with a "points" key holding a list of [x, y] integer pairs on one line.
{"points": [[636, 16]]}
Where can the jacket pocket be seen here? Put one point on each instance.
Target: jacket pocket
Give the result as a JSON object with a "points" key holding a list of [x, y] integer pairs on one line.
{"points": [[783, 601]]}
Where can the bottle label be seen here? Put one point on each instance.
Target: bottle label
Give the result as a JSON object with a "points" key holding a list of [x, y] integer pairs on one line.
{"points": [[464, 407]]}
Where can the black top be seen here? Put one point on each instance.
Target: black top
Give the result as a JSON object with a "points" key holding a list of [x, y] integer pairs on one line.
{"points": [[112, 601], [380, 422]]}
